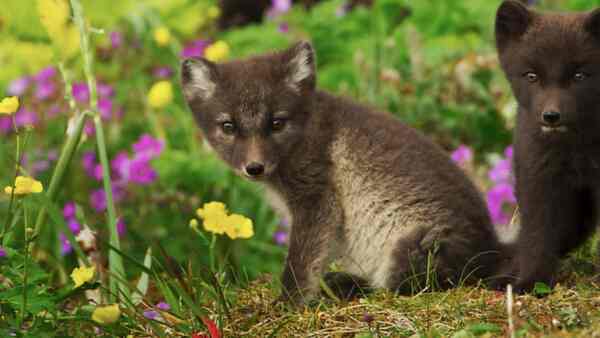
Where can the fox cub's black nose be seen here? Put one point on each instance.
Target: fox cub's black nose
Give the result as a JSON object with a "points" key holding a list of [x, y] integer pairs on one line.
{"points": [[255, 169], [551, 117]]}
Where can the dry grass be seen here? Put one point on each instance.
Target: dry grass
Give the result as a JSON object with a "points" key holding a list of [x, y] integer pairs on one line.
{"points": [[569, 311]]}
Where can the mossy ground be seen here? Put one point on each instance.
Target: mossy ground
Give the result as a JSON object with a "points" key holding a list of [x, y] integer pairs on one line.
{"points": [[572, 309]]}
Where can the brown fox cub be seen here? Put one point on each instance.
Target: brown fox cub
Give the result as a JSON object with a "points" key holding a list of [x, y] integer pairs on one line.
{"points": [[552, 61], [358, 186]]}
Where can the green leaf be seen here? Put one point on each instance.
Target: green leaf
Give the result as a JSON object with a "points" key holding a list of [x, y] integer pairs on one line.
{"points": [[541, 289]]}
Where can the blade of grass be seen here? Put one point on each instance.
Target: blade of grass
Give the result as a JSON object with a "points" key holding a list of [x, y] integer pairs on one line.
{"points": [[115, 261], [142, 286], [66, 156]]}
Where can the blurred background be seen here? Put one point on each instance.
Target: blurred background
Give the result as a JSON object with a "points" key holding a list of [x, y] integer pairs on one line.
{"points": [[431, 63]]}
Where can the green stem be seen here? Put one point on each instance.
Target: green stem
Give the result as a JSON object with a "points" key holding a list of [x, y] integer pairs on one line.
{"points": [[12, 194], [66, 156], [115, 261], [25, 263]]}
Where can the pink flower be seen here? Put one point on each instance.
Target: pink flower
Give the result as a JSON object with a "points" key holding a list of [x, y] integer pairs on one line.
{"points": [[462, 156], [19, 86], [121, 227], [141, 172], [66, 247], [116, 39], [194, 49], [44, 90], [46, 74], [500, 198], [147, 146], [279, 7], [80, 92], [69, 210]]}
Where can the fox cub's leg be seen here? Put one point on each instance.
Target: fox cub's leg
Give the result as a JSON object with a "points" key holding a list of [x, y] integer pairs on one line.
{"points": [[549, 216], [309, 253], [346, 286], [440, 257]]}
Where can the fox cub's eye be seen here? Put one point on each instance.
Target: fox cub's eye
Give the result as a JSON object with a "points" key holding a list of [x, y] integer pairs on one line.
{"points": [[228, 127], [278, 124], [531, 77], [579, 76]]}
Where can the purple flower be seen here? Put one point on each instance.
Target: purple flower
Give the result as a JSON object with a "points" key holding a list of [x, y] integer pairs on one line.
{"points": [[104, 90], [508, 152], [279, 7], [98, 200], [40, 166], [66, 245], [280, 237], [25, 117], [69, 210], [283, 27], [44, 90], [163, 306], [74, 226], [80, 91], [120, 164], [52, 155], [150, 314], [89, 128], [148, 147], [3, 253], [499, 198], [98, 172], [98, 197], [6, 124], [141, 172], [162, 72], [116, 39], [46, 74], [105, 107], [194, 49], [121, 227], [462, 155], [19, 86], [88, 160], [501, 171]]}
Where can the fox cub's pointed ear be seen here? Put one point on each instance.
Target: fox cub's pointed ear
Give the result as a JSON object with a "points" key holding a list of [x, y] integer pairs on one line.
{"points": [[198, 79], [300, 72], [592, 23], [512, 21]]}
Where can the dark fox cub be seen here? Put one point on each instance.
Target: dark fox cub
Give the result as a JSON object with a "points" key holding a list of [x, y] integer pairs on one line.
{"points": [[552, 61], [358, 186]]}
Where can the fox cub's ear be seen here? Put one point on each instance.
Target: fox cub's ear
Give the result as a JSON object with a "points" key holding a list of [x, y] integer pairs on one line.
{"points": [[512, 21], [300, 72], [592, 23], [198, 79]]}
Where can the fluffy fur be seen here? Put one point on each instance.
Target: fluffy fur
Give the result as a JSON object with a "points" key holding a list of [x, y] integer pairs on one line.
{"points": [[552, 61], [358, 186]]}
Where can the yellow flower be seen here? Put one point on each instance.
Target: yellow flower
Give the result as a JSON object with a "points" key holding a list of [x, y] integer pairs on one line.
{"points": [[9, 105], [161, 94], [238, 226], [54, 15], [106, 314], [216, 52], [213, 12], [25, 185], [213, 215], [216, 220], [162, 36], [82, 275]]}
